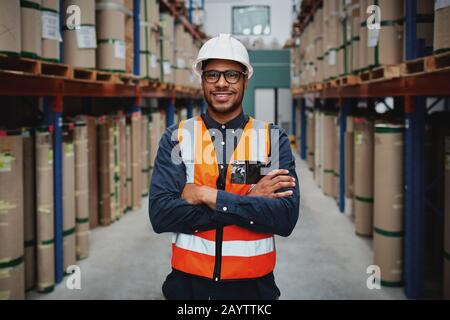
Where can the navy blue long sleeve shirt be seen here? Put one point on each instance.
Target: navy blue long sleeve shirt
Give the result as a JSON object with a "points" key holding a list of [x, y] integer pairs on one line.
{"points": [[169, 213]]}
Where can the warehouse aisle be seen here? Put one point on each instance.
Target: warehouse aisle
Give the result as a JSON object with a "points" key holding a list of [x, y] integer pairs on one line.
{"points": [[322, 259]]}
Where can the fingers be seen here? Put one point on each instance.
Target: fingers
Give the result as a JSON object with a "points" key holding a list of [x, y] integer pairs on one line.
{"points": [[282, 194], [282, 185], [283, 179], [277, 172]]}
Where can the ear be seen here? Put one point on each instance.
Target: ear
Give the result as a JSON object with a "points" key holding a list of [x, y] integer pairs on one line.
{"points": [[245, 82]]}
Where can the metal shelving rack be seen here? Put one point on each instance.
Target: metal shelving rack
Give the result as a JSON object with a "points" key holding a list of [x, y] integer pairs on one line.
{"points": [[410, 93], [54, 89]]}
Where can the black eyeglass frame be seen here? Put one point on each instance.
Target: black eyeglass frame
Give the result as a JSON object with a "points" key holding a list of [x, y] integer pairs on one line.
{"points": [[224, 75]]}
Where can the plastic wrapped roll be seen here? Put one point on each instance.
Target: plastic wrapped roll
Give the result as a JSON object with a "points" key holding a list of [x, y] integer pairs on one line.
{"points": [[12, 278], [363, 176], [388, 203]]}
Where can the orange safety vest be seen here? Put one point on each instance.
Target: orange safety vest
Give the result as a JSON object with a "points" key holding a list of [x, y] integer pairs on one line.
{"points": [[245, 254]]}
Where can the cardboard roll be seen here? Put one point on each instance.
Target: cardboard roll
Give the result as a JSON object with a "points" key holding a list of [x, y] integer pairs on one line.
{"points": [[29, 208], [328, 153], [110, 25], [136, 159], [389, 186], [123, 166], [336, 158], [104, 133], [349, 158], [30, 265], [111, 56], [129, 172], [45, 266], [145, 152], [81, 171], [68, 197], [441, 29], [363, 175], [10, 14], [75, 56], [87, 9], [91, 124], [12, 280], [390, 9], [364, 141], [31, 29], [69, 243], [44, 204], [363, 216], [82, 239], [390, 45], [388, 255], [50, 47], [447, 220]]}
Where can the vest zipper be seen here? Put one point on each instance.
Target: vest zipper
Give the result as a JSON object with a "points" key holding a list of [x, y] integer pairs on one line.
{"points": [[218, 262]]}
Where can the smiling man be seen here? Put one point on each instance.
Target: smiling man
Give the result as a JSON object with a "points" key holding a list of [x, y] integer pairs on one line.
{"points": [[224, 184]]}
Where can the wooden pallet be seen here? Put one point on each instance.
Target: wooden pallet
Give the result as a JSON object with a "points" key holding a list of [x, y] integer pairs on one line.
{"points": [[129, 79], [56, 69], [349, 80], [109, 77], [365, 76], [36, 67], [385, 73], [413, 67], [331, 84], [84, 74], [438, 62], [19, 64]]}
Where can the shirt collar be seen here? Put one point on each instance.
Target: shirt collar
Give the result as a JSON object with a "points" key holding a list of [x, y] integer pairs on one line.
{"points": [[236, 123]]}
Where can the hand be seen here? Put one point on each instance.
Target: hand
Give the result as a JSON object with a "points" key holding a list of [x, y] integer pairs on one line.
{"points": [[196, 195], [275, 180]]}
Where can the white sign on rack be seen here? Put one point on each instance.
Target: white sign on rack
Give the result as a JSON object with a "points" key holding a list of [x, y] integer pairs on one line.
{"points": [[332, 58], [153, 60], [50, 26], [119, 49], [167, 68], [373, 35], [86, 37]]}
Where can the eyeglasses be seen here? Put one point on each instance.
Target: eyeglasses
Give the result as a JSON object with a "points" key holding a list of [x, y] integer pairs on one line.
{"points": [[231, 76]]}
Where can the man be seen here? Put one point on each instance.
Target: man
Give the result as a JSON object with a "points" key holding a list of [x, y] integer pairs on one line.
{"points": [[207, 188]]}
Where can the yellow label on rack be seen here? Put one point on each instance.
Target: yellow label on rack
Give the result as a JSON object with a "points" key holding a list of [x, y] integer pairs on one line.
{"points": [[358, 138], [6, 160], [50, 156], [6, 206], [68, 149]]}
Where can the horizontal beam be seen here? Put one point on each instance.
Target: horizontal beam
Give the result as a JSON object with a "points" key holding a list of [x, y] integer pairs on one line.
{"points": [[21, 84], [426, 85]]}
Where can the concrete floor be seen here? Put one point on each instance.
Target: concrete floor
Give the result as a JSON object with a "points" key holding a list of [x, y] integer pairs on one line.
{"points": [[322, 259]]}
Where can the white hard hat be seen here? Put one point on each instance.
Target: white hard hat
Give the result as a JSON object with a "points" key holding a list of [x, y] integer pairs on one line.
{"points": [[223, 47]]}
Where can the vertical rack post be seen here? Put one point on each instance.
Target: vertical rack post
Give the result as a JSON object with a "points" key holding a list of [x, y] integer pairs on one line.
{"points": [[345, 105], [411, 29], [294, 121], [53, 107], [62, 15], [303, 129], [415, 205], [170, 111], [190, 11], [137, 36]]}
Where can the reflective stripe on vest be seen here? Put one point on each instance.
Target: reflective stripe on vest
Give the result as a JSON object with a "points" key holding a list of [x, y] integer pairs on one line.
{"points": [[245, 254]]}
